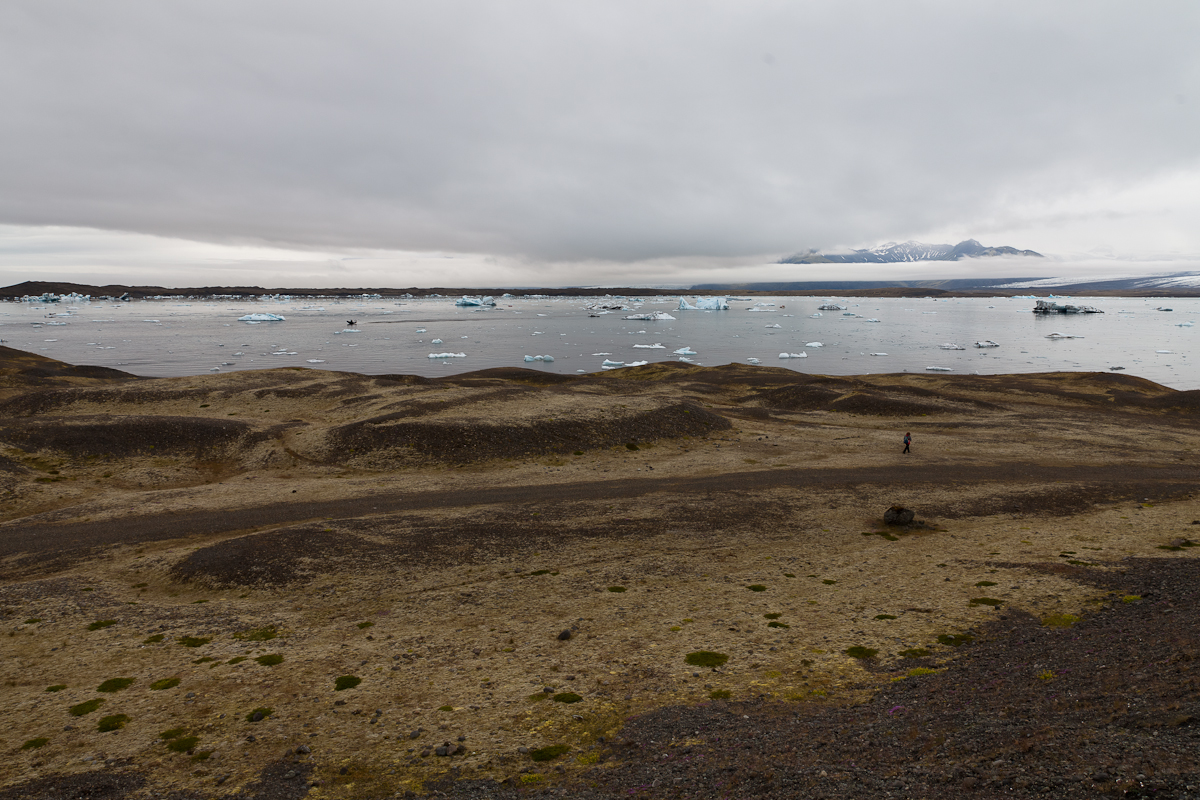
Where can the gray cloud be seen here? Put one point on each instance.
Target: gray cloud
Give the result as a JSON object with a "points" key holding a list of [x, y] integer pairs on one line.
{"points": [[619, 131]]}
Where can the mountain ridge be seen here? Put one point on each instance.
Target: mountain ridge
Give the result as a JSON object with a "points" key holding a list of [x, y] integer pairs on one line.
{"points": [[894, 252]]}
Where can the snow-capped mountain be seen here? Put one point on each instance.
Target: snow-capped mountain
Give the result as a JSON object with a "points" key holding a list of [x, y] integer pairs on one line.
{"points": [[892, 252]]}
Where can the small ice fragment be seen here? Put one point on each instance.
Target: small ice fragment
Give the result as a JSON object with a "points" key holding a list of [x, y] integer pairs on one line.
{"points": [[814, 344], [753, 361], [939, 369], [436, 341], [685, 351], [652, 316], [686, 360], [877, 354], [818, 314], [987, 343], [951, 346], [602, 354], [776, 325], [316, 360], [793, 355], [610, 363], [252, 318], [1164, 352], [420, 330], [655, 346], [447, 355], [637, 363]]}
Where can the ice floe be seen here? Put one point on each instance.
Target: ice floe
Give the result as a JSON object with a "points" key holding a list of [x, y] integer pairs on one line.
{"points": [[610, 363], [436, 341], [832, 307], [475, 301], [813, 344], [655, 346], [951, 346], [776, 325], [539, 358], [1056, 335], [315, 360], [653, 315], [793, 355], [685, 351], [753, 361], [877, 354], [252, 318], [447, 355], [987, 343], [939, 369]]}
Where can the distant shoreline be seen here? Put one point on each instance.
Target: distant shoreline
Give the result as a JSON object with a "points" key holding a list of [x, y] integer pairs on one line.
{"points": [[36, 288]]}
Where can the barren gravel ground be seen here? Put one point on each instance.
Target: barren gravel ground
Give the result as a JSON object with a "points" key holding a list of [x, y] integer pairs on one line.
{"points": [[237, 543]]}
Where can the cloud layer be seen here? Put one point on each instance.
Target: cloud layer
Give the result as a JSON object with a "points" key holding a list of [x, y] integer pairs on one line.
{"points": [[548, 132]]}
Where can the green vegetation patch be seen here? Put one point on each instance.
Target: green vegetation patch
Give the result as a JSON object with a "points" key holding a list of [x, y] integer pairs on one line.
{"points": [[828, 582], [115, 685], [543, 572], [886, 616], [113, 722], [861, 652], [101, 623], [566, 697], [257, 634], [549, 753], [776, 624], [194, 641], [919, 671], [705, 658], [367, 624], [445, 708], [616, 588], [202, 755], [236, 660], [719, 694], [270, 660], [1131, 598], [173, 733], [915, 652], [1059, 620], [346, 682], [986, 601], [165, 683], [756, 587], [183, 744], [87, 707], [773, 615], [155, 639], [986, 583], [33, 620], [34, 744], [955, 639], [204, 660], [535, 698], [58, 687]]}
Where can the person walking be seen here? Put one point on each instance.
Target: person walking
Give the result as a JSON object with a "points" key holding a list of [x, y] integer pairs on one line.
{"points": [[907, 442]]}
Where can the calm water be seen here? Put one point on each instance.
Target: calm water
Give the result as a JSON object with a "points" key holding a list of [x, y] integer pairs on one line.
{"points": [[171, 338]]}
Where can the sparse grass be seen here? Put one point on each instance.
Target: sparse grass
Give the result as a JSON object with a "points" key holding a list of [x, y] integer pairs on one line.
{"points": [[773, 615], [919, 671], [257, 634], [719, 694], [165, 683], [87, 707], [115, 685], [155, 639], [1131, 598], [886, 616], [828, 582], [101, 623], [616, 588], [986, 601], [270, 660], [183, 744], [445, 708], [1059, 620], [194, 641], [985, 583], [204, 660], [34, 744], [58, 687], [915, 652], [173, 733], [566, 697], [366, 624], [346, 682], [705, 658], [549, 753], [861, 652], [113, 722], [776, 624], [33, 620], [262, 713], [236, 660], [955, 639], [756, 587]]}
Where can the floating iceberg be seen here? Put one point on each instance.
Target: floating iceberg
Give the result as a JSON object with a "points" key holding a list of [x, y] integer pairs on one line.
{"points": [[1177, 324], [655, 346], [1161, 352], [539, 358], [653, 315], [753, 361], [818, 314], [447, 355], [951, 346], [1114, 369], [686, 360], [685, 351], [987, 343], [610, 363], [872, 319], [712, 304], [831, 307], [436, 341], [475, 301], [420, 330], [877, 354], [814, 344], [776, 325], [793, 355], [637, 363], [684, 305], [253, 318], [1057, 335], [939, 369], [315, 360]]}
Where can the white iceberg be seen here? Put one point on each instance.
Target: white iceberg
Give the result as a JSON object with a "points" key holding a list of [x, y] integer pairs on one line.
{"points": [[877, 354], [254, 318], [436, 341], [475, 301], [939, 369], [685, 351], [420, 330], [610, 363], [818, 314], [684, 305], [315, 360], [539, 358], [753, 361], [637, 363], [951, 346], [987, 343], [814, 344], [686, 360], [655, 346], [832, 307], [447, 355], [1162, 352], [712, 304], [793, 355], [872, 319], [776, 325], [654, 315], [1177, 324]]}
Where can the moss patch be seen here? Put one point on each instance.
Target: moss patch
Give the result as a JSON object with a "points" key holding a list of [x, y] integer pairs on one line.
{"points": [[183, 744], [955, 639], [1059, 620], [705, 658], [616, 588], [346, 682], [719, 694], [155, 639], [113, 722], [861, 652], [549, 753], [34, 744], [270, 660], [756, 587], [567, 697], [87, 707], [259, 714], [101, 623], [915, 652], [257, 634], [194, 641], [58, 687], [115, 685], [986, 601]]}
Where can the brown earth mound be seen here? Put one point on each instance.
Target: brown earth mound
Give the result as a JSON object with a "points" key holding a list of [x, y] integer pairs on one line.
{"points": [[19, 368], [119, 437]]}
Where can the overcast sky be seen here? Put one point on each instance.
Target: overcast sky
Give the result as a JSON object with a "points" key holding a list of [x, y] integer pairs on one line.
{"points": [[550, 143]]}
